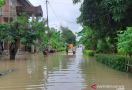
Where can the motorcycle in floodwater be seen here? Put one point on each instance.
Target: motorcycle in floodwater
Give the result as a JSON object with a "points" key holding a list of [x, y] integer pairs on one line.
{"points": [[70, 49]]}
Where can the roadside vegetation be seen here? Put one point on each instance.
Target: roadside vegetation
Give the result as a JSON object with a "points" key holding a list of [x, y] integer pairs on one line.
{"points": [[34, 35], [107, 30], [117, 62], [89, 52]]}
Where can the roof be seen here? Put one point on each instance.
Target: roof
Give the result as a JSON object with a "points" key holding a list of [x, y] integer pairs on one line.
{"points": [[29, 8]]}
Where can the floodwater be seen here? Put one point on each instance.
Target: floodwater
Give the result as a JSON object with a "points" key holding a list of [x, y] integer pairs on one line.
{"points": [[61, 72]]}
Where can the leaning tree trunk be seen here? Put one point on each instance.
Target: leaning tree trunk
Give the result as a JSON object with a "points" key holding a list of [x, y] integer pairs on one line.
{"points": [[13, 49]]}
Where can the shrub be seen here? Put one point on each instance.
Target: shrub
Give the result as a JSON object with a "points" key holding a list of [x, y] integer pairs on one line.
{"points": [[114, 61], [89, 52], [125, 42], [60, 49]]}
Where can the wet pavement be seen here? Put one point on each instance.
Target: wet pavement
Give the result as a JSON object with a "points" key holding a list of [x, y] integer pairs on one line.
{"points": [[61, 72]]}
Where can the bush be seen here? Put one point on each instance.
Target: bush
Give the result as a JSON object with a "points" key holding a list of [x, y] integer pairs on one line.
{"points": [[114, 61], [89, 52], [61, 49], [103, 46], [125, 41]]}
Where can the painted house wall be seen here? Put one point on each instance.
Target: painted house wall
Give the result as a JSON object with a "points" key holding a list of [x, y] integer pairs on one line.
{"points": [[8, 11]]}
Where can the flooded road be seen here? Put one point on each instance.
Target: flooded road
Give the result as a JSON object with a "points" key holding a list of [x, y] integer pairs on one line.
{"points": [[61, 72]]}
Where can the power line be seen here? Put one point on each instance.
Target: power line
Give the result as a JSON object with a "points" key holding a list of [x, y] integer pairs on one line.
{"points": [[54, 13], [59, 16]]}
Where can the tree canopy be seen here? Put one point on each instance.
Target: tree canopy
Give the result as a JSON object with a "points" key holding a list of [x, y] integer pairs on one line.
{"points": [[68, 36], [125, 41], [106, 17], [2, 2]]}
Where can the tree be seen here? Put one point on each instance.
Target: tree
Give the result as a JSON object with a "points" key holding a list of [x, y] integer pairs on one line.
{"points": [[2, 2], [125, 41], [21, 30], [3, 27], [88, 38], [16, 31], [34, 36], [106, 17], [55, 38], [3, 35], [68, 36]]}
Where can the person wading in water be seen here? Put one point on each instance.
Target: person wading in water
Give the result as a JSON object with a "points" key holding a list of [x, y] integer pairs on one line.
{"points": [[67, 49]]}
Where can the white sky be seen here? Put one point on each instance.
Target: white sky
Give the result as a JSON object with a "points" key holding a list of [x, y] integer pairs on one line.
{"points": [[61, 12]]}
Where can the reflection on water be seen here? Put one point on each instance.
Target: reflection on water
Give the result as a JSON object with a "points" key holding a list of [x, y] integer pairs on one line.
{"points": [[59, 72]]}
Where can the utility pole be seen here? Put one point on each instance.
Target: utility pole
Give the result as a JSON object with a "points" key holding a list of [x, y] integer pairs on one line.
{"points": [[47, 23], [9, 14], [47, 13]]}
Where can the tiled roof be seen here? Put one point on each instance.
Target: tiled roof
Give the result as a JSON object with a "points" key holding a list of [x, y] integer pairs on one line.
{"points": [[29, 8]]}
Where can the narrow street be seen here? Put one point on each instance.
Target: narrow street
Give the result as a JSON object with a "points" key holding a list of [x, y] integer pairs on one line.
{"points": [[60, 72]]}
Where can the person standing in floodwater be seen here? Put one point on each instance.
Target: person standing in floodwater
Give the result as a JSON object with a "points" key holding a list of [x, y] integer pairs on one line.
{"points": [[67, 49], [74, 50]]}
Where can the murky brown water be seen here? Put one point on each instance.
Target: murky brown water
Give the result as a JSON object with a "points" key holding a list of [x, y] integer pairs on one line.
{"points": [[60, 72]]}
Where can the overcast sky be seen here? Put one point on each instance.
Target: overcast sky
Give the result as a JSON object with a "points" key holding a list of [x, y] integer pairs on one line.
{"points": [[61, 12]]}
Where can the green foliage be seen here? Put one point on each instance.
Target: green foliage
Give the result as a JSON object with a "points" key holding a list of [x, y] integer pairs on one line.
{"points": [[113, 61], [125, 41], [68, 35], [38, 26], [103, 46], [44, 42], [116, 7], [88, 37], [35, 32], [60, 49], [31, 32], [89, 52], [17, 28], [2, 2], [25, 31], [104, 13], [3, 31], [105, 17], [56, 39]]}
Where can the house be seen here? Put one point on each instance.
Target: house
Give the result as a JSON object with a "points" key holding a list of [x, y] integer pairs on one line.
{"points": [[13, 8]]}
